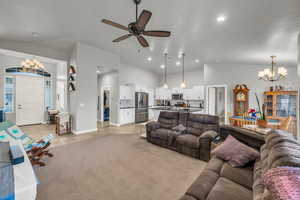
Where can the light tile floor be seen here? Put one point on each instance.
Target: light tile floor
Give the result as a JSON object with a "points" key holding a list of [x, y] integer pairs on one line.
{"points": [[38, 131]]}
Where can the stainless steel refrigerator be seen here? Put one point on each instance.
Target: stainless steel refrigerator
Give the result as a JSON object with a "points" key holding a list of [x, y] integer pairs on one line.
{"points": [[141, 107]]}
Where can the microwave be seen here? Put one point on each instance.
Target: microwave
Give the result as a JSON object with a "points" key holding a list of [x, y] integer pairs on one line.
{"points": [[177, 96]]}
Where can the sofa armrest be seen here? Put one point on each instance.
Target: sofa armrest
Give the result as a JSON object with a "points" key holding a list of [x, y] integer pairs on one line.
{"points": [[151, 126], [205, 144], [209, 135]]}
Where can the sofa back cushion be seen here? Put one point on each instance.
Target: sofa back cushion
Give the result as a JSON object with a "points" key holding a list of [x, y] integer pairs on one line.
{"points": [[280, 149], [283, 150], [199, 123], [168, 120]]}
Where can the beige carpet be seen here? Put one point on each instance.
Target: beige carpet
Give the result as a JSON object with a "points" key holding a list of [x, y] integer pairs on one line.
{"points": [[116, 167]]}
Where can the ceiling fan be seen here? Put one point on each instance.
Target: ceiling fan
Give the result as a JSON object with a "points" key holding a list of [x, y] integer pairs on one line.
{"points": [[137, 28]]}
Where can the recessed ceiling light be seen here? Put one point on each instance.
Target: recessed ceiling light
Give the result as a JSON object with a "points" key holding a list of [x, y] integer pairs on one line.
{"points": [[221, 18], [197, 61], [149, 59], [162, 66], [177, 63]]}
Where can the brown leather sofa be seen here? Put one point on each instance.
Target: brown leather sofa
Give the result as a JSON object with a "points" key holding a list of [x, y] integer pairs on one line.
{"points": [[220, 181], [195, 141]]}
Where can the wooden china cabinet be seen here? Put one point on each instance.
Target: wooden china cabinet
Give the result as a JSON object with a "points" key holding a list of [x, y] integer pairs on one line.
{"points": [[281, 104], [241, 99]]}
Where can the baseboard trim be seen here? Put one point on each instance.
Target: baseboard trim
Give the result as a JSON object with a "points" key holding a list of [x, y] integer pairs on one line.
{"points": [[114, 124], [85, 131]]}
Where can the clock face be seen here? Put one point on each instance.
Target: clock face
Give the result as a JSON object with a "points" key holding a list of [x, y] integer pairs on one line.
{"points": [[241, 96]]}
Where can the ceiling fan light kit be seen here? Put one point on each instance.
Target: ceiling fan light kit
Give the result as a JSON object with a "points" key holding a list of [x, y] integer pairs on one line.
{"points": [[137, 28]]}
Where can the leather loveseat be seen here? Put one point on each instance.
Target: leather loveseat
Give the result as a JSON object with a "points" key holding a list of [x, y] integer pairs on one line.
{"points": [[195, 141], [220, 181]]}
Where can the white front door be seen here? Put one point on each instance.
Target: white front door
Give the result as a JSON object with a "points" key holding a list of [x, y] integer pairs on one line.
{"points": [[29, 100]]}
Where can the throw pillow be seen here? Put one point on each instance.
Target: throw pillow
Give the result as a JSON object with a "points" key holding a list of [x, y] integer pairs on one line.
{"points": [[16, 132], [235, 153], [283, 183]]}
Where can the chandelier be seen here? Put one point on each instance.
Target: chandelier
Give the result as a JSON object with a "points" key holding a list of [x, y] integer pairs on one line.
{"points": [[32, 65], [269, 74]]}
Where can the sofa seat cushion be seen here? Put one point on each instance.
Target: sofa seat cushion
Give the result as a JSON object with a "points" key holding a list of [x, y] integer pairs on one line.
{"points": [[226, 189], [241, 176], [188, 140], [188, 197]]}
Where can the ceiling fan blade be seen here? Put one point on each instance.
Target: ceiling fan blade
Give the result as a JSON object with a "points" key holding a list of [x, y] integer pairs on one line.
{"points": [[105, 21], [124, 37], [157, 33], [144, 19], [142, 41]]}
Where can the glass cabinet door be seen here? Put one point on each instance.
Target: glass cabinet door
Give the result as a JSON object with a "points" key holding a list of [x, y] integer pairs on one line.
{"points": [[269, 105], [286, 105]]}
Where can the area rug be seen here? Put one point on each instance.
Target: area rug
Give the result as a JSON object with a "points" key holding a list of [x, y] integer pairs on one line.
{"points": [[116, 167]]}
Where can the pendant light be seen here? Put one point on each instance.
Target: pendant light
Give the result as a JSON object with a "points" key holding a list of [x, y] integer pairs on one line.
{"points": [[183, 84], [165, 71]]}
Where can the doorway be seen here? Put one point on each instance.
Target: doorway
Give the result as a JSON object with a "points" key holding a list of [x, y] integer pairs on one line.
{"points": [[217, 102], [106, 105], [29, 100]]}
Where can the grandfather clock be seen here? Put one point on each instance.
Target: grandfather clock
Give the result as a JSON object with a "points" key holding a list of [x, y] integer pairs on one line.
{"points": [[241, 99]]}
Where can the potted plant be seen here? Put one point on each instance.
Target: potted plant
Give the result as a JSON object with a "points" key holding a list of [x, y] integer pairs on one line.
{"points": [[261, 120]]}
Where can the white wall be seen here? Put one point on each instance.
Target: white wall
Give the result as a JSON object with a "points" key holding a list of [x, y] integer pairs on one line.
{"points": [[137, 76], [84, 107], [34, 49], [233, 74], [192, 78]]}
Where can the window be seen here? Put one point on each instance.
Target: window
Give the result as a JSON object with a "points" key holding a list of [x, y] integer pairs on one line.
{"points": [[9, 94], [48, 94]]}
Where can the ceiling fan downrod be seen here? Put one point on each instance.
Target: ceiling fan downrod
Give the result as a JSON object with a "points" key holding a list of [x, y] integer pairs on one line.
{"points": [[137, 2]]}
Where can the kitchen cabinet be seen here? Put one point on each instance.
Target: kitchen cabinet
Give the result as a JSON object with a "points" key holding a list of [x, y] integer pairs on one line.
{"points": [[195, 93], [188, 94], [163, 94], [155, 114], [127, 116], [126, 93], [177, 91], [151, 115], [198, 93]]}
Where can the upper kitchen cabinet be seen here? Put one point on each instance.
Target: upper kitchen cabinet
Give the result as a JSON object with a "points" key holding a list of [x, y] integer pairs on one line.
{"points": [[188, 94], [126, 93], [163, 94], [196, 93], [177, 91]]}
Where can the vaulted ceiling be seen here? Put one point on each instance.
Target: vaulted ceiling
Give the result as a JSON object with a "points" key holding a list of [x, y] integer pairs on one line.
{"points": [[253, 29]]}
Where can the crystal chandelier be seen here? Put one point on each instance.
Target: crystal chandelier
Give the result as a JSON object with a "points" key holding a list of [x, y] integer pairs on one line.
{"points": [[32, 65], [269, 74]]}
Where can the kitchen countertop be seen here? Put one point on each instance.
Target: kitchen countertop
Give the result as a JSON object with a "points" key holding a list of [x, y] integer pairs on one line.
{"points": [[170, 108]]}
